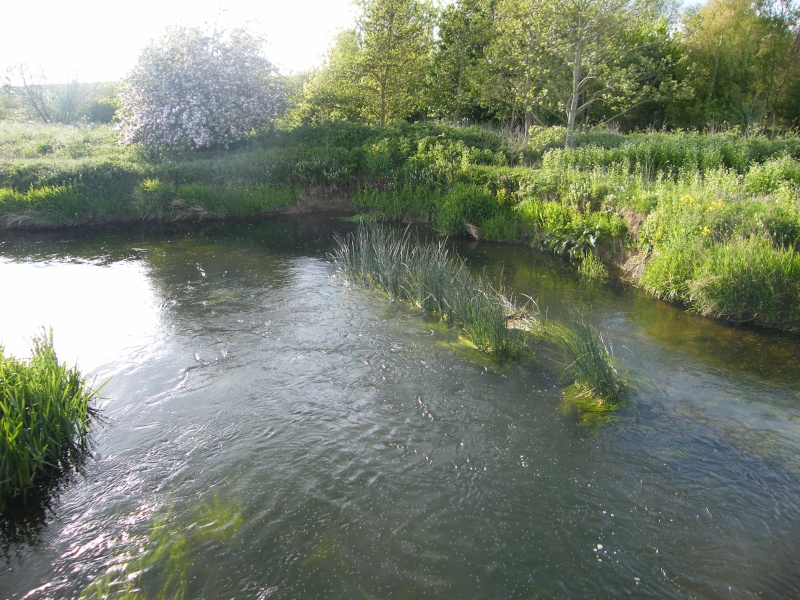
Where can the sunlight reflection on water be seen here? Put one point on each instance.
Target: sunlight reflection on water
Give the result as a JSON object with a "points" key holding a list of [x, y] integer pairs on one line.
{"points": [[101, 312]]}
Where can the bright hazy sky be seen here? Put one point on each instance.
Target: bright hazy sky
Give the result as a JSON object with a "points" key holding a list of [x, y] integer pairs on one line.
{"points": [[100, 40]]}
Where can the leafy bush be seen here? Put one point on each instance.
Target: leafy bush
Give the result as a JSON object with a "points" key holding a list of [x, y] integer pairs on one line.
{"points": [[542, 139], [564, 230], [195, 89], [772, 174]]}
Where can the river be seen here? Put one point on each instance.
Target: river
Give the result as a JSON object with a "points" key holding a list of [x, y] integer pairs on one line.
{"points": [[269, 431]]}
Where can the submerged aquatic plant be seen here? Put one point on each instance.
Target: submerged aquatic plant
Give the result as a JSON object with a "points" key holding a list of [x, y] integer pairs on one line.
{"points": [[164, 563], [46, 414], [430, 278]]}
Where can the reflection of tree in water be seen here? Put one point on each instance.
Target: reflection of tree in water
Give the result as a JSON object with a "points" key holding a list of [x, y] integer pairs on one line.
{"points": [[231, 267], [310, 234], [185, 257]]}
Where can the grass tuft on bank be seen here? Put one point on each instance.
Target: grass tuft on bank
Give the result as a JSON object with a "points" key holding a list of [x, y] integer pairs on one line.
{"points": [[46, 414]]}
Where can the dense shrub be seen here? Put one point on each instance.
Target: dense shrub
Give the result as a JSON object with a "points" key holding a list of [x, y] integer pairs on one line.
{"points": [[199, 89]]}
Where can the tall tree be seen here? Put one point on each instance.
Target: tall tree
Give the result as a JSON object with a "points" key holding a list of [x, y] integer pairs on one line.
{"points": [[465, 29], [743, 61], [395, 42], [195, 88], [569, 56], [511, 75], [333, 92]]}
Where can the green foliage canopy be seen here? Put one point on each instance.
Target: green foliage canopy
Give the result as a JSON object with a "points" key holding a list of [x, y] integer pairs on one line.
{"points": [[375, 72]]}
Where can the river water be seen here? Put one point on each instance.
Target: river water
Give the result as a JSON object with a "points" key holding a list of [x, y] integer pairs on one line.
{"points": [[271, 432]]}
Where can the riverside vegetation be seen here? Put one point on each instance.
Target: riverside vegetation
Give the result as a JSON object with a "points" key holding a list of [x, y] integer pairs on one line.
{"points": [[429, 278], [708, 221], [46, 414]]}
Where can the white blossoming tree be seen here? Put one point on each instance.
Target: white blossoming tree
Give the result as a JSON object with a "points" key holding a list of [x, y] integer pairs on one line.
{"points": [[198, 89]]}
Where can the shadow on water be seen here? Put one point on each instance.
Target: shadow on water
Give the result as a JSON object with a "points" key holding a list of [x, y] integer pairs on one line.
{"points": [[27, 515]]}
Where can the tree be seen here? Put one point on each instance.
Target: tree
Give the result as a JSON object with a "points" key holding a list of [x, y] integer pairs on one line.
{"points": [[50, 103], [512, 72], [333, 91], [395, 38], [743, 61], [566, 57], [198, 89], [465, 30]]}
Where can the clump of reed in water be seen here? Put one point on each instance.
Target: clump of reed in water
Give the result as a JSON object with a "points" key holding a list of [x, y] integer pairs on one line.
{"points": [[598, 385], [439, 283], [44, 418], [429, 277]]}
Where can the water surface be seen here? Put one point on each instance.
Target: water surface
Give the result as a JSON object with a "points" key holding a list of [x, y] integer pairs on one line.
{"points": [[272, 432]]}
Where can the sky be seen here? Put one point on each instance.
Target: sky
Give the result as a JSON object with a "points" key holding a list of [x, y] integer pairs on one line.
{"points": [[98, 40]]}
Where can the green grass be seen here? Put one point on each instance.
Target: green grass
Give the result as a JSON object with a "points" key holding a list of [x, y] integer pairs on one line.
{"points": [[598, 386], [749, 280], [592, 269], [429, 278], [155, 200], [46, 414]]}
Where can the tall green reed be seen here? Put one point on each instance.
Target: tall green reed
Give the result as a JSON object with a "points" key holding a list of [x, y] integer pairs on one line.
{"points": [[46, 415], [431, 279], [598, 386]]}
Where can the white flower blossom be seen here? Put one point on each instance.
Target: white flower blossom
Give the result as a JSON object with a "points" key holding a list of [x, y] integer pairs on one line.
{"points": [[196, 89]]}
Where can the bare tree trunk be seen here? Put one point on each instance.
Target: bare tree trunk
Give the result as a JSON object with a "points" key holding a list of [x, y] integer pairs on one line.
{"points": [[383, 105], [573, 104]]}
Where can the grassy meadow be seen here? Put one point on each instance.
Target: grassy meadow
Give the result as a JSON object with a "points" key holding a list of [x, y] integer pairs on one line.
{"points": [[711, 222]]}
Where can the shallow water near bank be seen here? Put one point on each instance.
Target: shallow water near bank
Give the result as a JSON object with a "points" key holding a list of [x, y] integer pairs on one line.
{"points": [[272, 432]]}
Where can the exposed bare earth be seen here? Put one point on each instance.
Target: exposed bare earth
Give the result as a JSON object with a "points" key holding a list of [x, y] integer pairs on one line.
{"points": [[321, 198]]}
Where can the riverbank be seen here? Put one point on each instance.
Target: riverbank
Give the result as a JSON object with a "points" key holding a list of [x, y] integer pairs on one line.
{"points": [[711, 222]]}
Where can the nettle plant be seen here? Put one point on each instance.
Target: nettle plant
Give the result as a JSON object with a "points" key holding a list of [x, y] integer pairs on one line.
{"points": [[198, 89]]}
